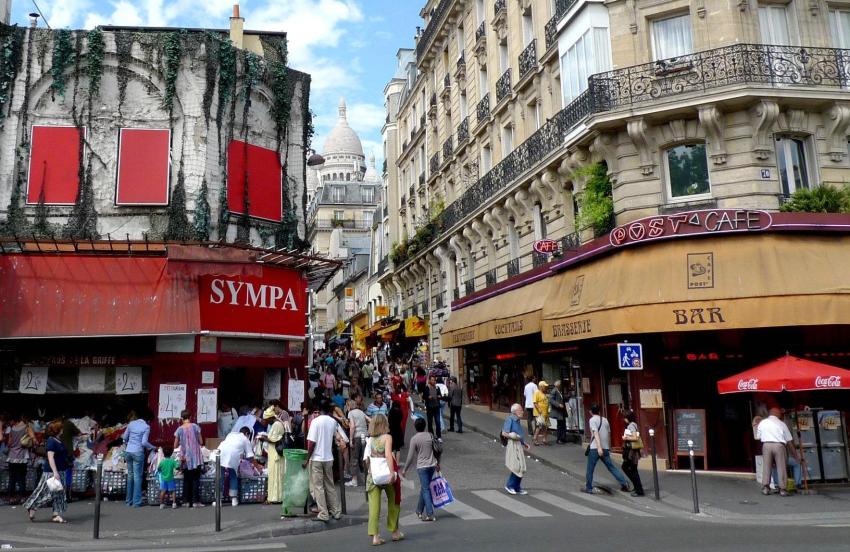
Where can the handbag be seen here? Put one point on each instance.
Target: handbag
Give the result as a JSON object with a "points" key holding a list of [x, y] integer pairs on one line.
{"points": [[380, 469], [54, 485], [441, 491]]}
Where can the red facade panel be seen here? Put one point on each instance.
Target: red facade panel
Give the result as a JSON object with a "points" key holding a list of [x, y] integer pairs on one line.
{"points": [[143, 166], [264, 173], [54, 165]]}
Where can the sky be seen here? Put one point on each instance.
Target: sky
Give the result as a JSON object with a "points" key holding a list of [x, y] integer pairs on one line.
{"points": [[348, 46]]}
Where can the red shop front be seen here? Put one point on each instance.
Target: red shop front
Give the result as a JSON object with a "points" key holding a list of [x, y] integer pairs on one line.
{"points": [[105, 328]]}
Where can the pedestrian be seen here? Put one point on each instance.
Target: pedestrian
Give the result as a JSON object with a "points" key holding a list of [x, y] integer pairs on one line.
{"points": [[50, 488], [632, 445], [165, 473], [69, 432], [136, 439], [394, 418], [528, 394], [455, 405], [232, 450], [558, 411], [515, 447], [19, 433], [432, 400], [358, 431], [188, 437], [405, 402], [774, 436], [541, 414], [366, 375], [274, 460], [380, 445], [320, 439], [328, 380], [377, 406], [600, 449], [422, 450], [226, 417]]}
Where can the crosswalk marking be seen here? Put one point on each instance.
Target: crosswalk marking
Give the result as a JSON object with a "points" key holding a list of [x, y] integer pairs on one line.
{"points": [[563, 504], [512, 505], [465, 511], [613, 505]]}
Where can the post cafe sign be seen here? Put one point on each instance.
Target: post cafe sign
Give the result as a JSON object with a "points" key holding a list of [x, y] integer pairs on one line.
{"points": [[711, 221]]}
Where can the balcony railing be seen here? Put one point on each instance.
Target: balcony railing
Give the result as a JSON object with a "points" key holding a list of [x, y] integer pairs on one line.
{"points": [[482, 110], [463, 132], [421, 178], [448, 149], [481, 32], [571, 242], [551, 29], [503, 86], [430, 31], [421, 121], [469, 287], [490, 277], [513, 268], [412, 191], [435, 162], [447, 82], [499, 5], [528, 59], [343, 223], [383, 264]]}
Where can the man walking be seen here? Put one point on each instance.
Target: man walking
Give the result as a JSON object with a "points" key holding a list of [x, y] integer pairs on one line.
{"points": [[431, 397], [455, 404], [774, 436], [599, 449], [528, 393], [320, 439], [558, 410]]}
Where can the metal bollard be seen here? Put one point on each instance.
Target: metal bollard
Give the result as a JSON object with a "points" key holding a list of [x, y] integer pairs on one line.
{"points": [[218, 492], [341, 465], [654, 466], [693, 476], [98, 477]]}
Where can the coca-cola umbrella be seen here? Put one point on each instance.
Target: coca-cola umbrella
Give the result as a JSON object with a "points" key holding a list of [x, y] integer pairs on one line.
{"points": [[786, 373]]}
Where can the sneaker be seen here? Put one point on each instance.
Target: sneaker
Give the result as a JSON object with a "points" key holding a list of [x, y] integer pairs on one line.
{"points": [[162, 506], [234, 502], [351, 483], [625, 488], [198, 505], [584, 490], [765, 491], [509, 490], [174, 506], [635, 493], [522, 492]]}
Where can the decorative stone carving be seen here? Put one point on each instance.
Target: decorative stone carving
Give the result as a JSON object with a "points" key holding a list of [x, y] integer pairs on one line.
{"points": [[500, 23], [639, 133], [522, 198], [795, 120], [763, 116], [713, 122], [837, 118], [604, 148]]}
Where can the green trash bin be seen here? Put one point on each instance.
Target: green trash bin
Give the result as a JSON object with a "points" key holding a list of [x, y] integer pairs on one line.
{"points": [[296, 482]]}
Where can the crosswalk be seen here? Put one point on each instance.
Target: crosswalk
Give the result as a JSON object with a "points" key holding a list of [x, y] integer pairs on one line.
{"points": [[492, 504]]}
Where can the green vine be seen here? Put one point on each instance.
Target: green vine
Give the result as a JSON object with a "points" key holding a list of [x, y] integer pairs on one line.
{"points": [[202, 213], [94, 61], [41, 227], [226, 86], [63, 54], [210, 73], [223, 213], [172, 50], [179, 228], [124, 53], [11, 58], [597, 206]]}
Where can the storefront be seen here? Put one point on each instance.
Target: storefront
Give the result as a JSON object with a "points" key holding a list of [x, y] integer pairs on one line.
{"points": [[105, 328]]}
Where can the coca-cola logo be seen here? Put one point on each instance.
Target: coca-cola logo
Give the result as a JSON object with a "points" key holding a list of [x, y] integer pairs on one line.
{"points": [[751, 384], [829, 381]]}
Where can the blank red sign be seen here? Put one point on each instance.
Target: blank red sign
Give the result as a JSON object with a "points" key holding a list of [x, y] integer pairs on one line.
{"points": [[143, 166], [264, 180], [54, 165]]}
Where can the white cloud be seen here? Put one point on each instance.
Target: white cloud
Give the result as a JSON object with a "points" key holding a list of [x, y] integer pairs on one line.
{"points": [[365, 117], [63, 14]]}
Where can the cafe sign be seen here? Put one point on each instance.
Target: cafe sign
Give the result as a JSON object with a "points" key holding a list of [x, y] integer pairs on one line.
{"points": [[546, 247], [691, 223]]}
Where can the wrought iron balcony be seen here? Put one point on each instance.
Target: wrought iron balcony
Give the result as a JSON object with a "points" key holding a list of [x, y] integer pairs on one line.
{"points": [[539, 259], [513, 268], [528, 59], [412, 191], [456, 293], [438, 301], [551, 29], [447, 82], [571, 242], [499, 5], [463, 132], [437, 16], [482, 110], [481, 32], [435, 162], [448, 149], [383, 264], [469, 287], [503, 86], [490, 277]]}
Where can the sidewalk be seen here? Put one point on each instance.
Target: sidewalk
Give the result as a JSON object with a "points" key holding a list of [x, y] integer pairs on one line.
{"points": [[723, 497]]}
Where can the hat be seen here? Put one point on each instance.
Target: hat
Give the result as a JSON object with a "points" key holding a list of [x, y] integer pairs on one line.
{"points": [[269, 413], [542, 384]]}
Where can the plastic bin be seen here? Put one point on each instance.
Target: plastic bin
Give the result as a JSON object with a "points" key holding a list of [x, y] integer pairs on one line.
{"points": [[296, 482], [113, 483], [253, 490]]}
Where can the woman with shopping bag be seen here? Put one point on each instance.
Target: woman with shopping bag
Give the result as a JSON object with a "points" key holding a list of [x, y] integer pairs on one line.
{"points": [[515, 447], [50, 489], [382, 475], [422, 450]]}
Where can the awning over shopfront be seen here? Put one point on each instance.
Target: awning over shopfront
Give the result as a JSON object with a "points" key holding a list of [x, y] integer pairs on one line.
{"points": [[512, 314], [707, 284], [415, 327], [389, 329]]}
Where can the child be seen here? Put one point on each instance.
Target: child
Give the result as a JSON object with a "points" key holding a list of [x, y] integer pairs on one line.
{"points": [[165, 470]]}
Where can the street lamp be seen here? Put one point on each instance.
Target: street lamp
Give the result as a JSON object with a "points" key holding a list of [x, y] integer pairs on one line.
{"points": [[315, 160]]}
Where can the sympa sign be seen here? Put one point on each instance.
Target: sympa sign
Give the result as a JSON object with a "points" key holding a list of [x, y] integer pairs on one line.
{"points": [[711, 221]]}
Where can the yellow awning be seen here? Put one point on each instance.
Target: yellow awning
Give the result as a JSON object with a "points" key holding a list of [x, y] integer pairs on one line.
{"points": [[389, 329], [415, 327]]}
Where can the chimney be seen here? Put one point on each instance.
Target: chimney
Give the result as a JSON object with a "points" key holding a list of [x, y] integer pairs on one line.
{"points": [[237, 25], [33, 20]]}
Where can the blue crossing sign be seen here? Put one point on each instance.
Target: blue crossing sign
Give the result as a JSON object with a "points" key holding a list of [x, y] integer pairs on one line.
{"points": [[630, 356]]}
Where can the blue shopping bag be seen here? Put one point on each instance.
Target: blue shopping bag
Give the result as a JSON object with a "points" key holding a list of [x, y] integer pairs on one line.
{"points": [[441, 492]]}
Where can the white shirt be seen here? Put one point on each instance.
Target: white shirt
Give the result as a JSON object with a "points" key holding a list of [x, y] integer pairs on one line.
{"points": [[528, 393], [773, 430], [233, 448], [321, 432]]}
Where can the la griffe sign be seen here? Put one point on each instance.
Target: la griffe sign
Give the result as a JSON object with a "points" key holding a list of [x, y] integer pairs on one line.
{"points": [[711, 221], [269, 304]]}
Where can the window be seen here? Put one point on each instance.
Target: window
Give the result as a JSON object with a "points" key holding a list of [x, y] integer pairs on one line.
{"points": [[527, 28], [671, 37], [839, 22], [463, 106], [367, 219], [339, 215], [513, 239], [504, 62], [534, 115], [687, 172], [479, 11], [483, 83], [774, 24], [539, 223], [486, 159], [590, 54], [507, 140], [338, 193], [367, 194], [460, 41], [792, 160]]}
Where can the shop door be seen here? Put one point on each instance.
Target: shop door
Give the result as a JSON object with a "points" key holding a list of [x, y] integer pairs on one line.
{"points": [[241, 387]]}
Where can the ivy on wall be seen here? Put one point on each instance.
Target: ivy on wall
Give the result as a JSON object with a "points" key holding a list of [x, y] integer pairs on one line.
{"points": [[11, 58], [172, 51], [94, 62], [202, 213], [179, 228], [63, 55]]}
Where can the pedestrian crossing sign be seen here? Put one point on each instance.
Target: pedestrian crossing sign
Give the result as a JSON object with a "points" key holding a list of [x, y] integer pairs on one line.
{"points": [[630, 356]]}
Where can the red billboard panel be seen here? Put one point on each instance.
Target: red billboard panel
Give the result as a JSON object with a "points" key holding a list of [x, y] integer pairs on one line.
{"points": [[54, 165], [272, 303], [143, 166], [264, 173]]}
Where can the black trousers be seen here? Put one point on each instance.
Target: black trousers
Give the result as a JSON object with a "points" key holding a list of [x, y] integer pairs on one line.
{"points": [[17, 479], [530, 412], [434, 420], [562, 430], [192, 486], [454, 412], [631, 471]]}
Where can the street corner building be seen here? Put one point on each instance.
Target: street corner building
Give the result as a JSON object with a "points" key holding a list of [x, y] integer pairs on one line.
{"points": [[567, 177], [152, 222]]}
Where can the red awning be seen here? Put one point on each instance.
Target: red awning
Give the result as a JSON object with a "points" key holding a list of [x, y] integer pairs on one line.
{"points": [[787, 373]]}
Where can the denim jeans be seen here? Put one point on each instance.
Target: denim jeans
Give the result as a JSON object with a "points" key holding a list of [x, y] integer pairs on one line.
{"points": [[135, 470], [514, 482], [796, 469], [592, 458], [425, 505], [229, 481]]}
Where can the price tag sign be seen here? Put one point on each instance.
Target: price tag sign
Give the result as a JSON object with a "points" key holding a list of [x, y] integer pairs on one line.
{"points": [[207, 405], [128, 380], [33, 380], [271, 385], [296, 395], [172, 400]]}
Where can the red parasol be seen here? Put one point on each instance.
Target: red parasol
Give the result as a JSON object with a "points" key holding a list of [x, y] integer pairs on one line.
{"points": [[787, 373]]}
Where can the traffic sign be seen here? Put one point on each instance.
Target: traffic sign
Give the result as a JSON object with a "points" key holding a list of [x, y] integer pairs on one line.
{"points": [[630, 356]]}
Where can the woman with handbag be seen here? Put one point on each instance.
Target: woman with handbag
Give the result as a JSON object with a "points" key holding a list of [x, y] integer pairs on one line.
{"points": [[382, 475], [50, 489], [20, 438], [632, 445], [188, 438]]}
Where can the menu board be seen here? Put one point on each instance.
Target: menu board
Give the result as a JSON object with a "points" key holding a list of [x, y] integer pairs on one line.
{"points": [[690, 425]]}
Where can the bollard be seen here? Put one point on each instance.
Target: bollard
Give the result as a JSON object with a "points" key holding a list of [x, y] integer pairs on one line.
{"points": [[341, 465], [654, 466], [217, 491], [98, 477], [693, 476]]}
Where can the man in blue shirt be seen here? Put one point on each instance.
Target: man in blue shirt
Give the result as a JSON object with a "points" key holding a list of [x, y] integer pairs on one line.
{"points": [[377, 407], [136, 439]]}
